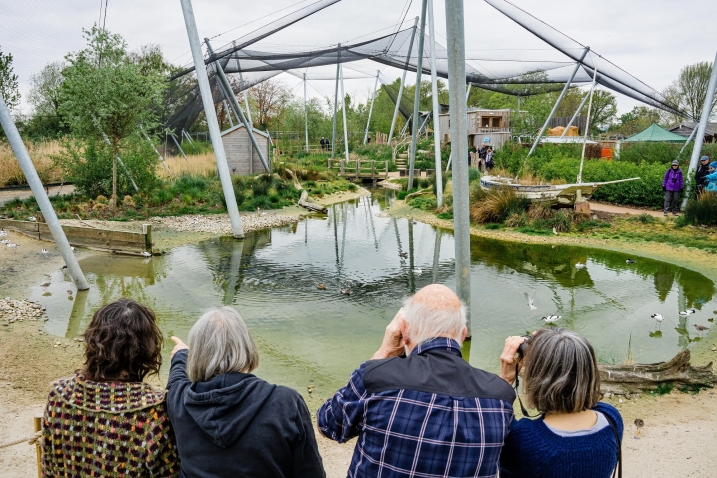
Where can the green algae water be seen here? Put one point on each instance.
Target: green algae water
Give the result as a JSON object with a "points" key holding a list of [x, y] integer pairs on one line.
{"points": [[317, 337]]}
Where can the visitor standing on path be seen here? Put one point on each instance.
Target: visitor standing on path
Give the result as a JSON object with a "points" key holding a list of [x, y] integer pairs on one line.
{"points": [[418, 408], [489, 164], [673, 183], [702, 171]]}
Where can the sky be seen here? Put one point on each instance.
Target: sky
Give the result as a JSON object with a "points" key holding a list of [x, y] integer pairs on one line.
{"points": [[652, 39]]}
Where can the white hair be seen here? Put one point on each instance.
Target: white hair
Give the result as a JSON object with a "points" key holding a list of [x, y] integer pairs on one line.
{"points": [[426, 322], [220, 343]]}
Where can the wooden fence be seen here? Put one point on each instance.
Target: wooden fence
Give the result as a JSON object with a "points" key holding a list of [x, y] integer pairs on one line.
{"points": [[359, 168], [92, 238]]}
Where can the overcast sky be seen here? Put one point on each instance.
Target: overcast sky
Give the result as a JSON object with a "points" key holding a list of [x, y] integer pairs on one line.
{"points": [[650, 39]]}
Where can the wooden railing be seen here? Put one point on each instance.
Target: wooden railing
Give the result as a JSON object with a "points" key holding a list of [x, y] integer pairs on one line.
{"points": [[359, 168]]}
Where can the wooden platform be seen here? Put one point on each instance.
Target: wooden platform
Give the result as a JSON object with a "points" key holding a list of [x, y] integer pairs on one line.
{"points": [[359, 168], [91, 238]]}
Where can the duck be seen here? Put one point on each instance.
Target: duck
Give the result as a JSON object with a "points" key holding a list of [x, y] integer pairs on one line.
{"points": [[32, 219], [345, 291], [658, 317], [580, 265], [417, 271], [630, 261], [146, 254], [552, 318], [403, 254], [687, 312], [321, 286]]}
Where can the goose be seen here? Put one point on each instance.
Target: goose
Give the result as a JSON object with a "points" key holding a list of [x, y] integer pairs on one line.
{"points": [[687, 312], [321, 286], [530, 300], [552, 318], [417, 271], [630, 261], [346, 291], [146, 254], [580, 265]]}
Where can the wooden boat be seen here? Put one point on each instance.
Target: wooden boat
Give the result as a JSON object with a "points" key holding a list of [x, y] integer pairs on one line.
{"points": [[554, 194]]}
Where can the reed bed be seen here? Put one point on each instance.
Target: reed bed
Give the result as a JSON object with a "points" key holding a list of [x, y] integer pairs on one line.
{"points": [[196, 164], [41, 155]]}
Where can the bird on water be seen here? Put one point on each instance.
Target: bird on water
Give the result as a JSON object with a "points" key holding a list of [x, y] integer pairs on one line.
{"points": [[530, 300], [552, 318], [688, 312]]}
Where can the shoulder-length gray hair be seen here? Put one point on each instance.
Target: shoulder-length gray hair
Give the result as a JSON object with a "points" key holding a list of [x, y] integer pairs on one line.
{"points": [[561, 373], [220, 343]]}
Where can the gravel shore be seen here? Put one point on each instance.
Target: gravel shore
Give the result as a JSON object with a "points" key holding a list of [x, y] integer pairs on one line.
{"points": [[219, 224]]}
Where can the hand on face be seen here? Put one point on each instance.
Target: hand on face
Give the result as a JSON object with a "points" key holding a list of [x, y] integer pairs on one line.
{"points": [[393, 344]]}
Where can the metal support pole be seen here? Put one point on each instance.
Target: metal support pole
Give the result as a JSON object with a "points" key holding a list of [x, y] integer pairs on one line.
{"points": [[577, 111], [436, 252], [212, 123], [18, 147], [306, 117], [587, 131], [336, 103], [689, 138], [161, 158], [560, 98], [243, 90], [228, 113], [370, 110], [189, 138], [436, 109], [403, 82], [229, 94], [343, 111], [450, 157], [417, 96], [700, 136], [455, 25], [176, 143]]}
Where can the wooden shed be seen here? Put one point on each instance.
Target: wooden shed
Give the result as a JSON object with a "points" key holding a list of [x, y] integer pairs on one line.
{"points": [[239, 149], [685, 129], [489, 127]]}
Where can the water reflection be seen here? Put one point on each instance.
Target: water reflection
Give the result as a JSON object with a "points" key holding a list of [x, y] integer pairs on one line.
{"points": [[308, 335]]}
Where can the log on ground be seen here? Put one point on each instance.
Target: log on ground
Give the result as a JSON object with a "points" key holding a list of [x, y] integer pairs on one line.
{"points": [[626, 379]]}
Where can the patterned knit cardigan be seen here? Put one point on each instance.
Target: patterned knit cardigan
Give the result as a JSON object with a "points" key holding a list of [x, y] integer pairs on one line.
{"points": [[107, 429]]}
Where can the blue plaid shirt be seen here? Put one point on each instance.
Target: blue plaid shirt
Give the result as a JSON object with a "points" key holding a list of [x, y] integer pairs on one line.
{"points": [[405, 432]]}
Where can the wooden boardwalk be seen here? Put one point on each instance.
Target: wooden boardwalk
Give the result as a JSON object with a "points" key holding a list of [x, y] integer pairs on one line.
{"points": [[359, 168]]}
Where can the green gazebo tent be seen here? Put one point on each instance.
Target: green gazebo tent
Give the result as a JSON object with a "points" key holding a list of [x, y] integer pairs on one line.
{"points": [[655, 133]]}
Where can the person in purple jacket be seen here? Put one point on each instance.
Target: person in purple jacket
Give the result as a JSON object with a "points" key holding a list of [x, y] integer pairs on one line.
{"points": [[673, 183]]}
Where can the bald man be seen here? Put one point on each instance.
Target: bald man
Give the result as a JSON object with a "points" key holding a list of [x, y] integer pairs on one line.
{"points": [[417, 407]]}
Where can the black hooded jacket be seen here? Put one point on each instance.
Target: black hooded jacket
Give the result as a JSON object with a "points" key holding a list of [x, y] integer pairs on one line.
{"points": [[237, 425], [702, 171]]}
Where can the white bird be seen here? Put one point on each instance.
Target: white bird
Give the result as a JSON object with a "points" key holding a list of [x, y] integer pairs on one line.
{"points": [[417, 271], [146, 254], [44, 251], [630, 261], [658, 317], [32, 218], [530, 301], [3, 232], [688, 312], [580, 265], [555, 231], [5, 241], [552, 318], [11, 245], [72, 249]]}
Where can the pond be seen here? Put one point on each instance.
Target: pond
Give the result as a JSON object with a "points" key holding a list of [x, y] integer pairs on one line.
{"points": [[311, 336]]}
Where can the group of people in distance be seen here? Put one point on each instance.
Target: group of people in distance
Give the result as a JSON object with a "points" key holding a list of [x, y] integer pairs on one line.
{"points": [[481, 158], [325, 143], [417, 407], [674, 182]]}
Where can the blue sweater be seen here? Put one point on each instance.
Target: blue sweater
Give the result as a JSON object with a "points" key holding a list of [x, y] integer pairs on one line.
{"points": [[532, 449]]}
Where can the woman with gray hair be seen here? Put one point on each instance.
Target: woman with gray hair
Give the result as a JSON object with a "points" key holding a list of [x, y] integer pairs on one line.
{"points": [[576, 435], [227, 421]]}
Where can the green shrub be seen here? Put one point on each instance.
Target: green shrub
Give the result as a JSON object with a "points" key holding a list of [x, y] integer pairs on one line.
{"points": [[644, 218], [702, 211], [496, 206]]}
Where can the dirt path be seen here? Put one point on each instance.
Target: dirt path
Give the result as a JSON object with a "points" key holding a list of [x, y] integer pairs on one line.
{"points": [[10, 194], [613, 209]]}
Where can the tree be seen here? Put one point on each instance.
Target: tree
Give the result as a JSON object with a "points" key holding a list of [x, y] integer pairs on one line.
{"points": [[636, 120], [8, 81], [688, 91], [603, 111], [105, 92], [44, 97], [269, 99]]}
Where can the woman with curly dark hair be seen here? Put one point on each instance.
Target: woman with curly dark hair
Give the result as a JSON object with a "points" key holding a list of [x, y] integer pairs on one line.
{"points": [[105, 421]]}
